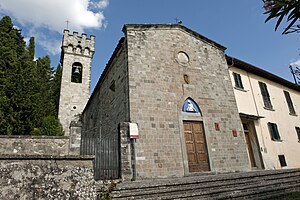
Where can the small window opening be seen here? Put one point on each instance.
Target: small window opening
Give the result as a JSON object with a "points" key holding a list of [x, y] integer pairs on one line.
{"points": [[76, 73], [282, 160], [112, 86], [186, 78]]}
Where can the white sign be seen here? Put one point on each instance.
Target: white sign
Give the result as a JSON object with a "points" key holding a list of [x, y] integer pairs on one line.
{"points": [[133, 131]]}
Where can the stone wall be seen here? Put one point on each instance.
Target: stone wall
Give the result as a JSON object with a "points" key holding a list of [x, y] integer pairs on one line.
{"points": [[108, 105], [42, 177], [34, 145], [166, 65]]}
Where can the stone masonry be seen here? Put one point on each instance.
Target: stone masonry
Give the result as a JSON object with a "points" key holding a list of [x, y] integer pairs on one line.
{"points": [[108, 105], [157, 91], [74, 96], [153, 70], [46, 177]]}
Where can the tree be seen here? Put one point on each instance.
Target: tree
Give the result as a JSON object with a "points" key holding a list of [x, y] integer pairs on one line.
{"points": [[55, 87], [12, 52], [280, 9], [28, 88]]}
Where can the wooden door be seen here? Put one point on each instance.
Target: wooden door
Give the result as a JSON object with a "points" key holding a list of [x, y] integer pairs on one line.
{"points": [[196, 146], [249, 145]]}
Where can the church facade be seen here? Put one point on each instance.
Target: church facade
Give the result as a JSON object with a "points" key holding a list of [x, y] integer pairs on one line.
{"points": [[174, 84]]}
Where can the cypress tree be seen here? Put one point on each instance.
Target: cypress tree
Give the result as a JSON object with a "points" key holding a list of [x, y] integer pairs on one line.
{"points": [[29, 90]]}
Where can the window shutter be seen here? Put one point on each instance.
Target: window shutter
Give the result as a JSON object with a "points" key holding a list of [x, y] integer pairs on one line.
{"points": [[238, 80], [298, 132], [276, 133], [265, 95], [263, 89], [289, 102], [273, 131]]}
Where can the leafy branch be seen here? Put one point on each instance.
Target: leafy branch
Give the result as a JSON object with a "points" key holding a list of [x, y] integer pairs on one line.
{"points": [[280, 9]]}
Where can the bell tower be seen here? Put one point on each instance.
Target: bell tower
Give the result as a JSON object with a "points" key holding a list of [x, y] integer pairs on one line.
{"points": [[76, 57]]}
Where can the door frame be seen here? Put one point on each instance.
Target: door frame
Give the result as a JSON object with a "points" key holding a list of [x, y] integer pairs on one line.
{"points": [[254, 146], [194, 141], [193, 117]]}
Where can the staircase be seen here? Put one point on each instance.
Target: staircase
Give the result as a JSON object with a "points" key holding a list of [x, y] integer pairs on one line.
{"points": [[243, 185]]}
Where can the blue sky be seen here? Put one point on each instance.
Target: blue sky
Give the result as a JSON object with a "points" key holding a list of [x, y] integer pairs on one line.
{"points": [[235, 24]]}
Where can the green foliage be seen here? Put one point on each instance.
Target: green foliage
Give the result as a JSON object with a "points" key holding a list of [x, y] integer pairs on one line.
{"points": [[50, 126], [28, 88], [280, 9], [55, 87], [106, 190]]}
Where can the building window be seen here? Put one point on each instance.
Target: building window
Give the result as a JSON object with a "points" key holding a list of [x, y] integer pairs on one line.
{"points": [[265, 95], [289, 102], [298, 132], [238, 80], [112, 86], [274, 131], [282, 160]]}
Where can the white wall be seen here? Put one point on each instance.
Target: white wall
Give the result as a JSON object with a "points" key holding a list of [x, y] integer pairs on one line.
{"points": [[250, 102]]}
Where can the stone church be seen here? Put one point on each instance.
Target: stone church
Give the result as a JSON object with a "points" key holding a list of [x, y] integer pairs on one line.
{"points": [[167, 84]]}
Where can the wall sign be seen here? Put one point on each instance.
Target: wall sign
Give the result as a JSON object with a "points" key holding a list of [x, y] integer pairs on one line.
{"points": [[133, 131]]}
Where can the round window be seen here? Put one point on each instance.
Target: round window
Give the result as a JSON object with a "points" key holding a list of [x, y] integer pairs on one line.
{"points": [[182, 57]]}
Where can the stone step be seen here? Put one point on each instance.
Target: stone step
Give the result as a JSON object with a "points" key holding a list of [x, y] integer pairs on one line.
{"points": [[233, 185], [201, 182], [199, 179], [217, 192]]}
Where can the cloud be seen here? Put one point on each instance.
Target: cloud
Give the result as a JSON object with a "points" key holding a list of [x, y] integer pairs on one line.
{"points": [[101, 4], [295, 63], [44, 17]]}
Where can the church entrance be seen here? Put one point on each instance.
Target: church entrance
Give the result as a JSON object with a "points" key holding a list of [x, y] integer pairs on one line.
{"points": [[196, 146]]}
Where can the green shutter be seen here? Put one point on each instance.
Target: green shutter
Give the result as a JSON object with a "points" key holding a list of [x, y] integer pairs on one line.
{"points": [[238, 80], [289, 102], [273, 131], [265, 95]]}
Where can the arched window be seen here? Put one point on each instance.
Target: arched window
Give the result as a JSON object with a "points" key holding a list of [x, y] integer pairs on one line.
{"points": [[76, 76], [79, 49], [86, 51], [190, 106], [70, 48]]}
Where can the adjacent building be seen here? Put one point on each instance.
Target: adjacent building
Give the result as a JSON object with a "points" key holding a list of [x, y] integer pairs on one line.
{"points": [[269, 109]]}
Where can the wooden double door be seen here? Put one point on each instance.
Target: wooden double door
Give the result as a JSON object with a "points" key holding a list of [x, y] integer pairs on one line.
{"points": [[196, 146]]}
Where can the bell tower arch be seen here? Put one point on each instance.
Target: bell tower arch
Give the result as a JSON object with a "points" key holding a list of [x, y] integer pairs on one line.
{"points": [[76, 57]]}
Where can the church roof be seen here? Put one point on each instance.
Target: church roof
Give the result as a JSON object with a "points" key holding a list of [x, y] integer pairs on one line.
{"points": [[234, 62], [173, 26]]}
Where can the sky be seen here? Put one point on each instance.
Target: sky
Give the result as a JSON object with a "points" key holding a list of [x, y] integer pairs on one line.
{"points": [[235, 24]]}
